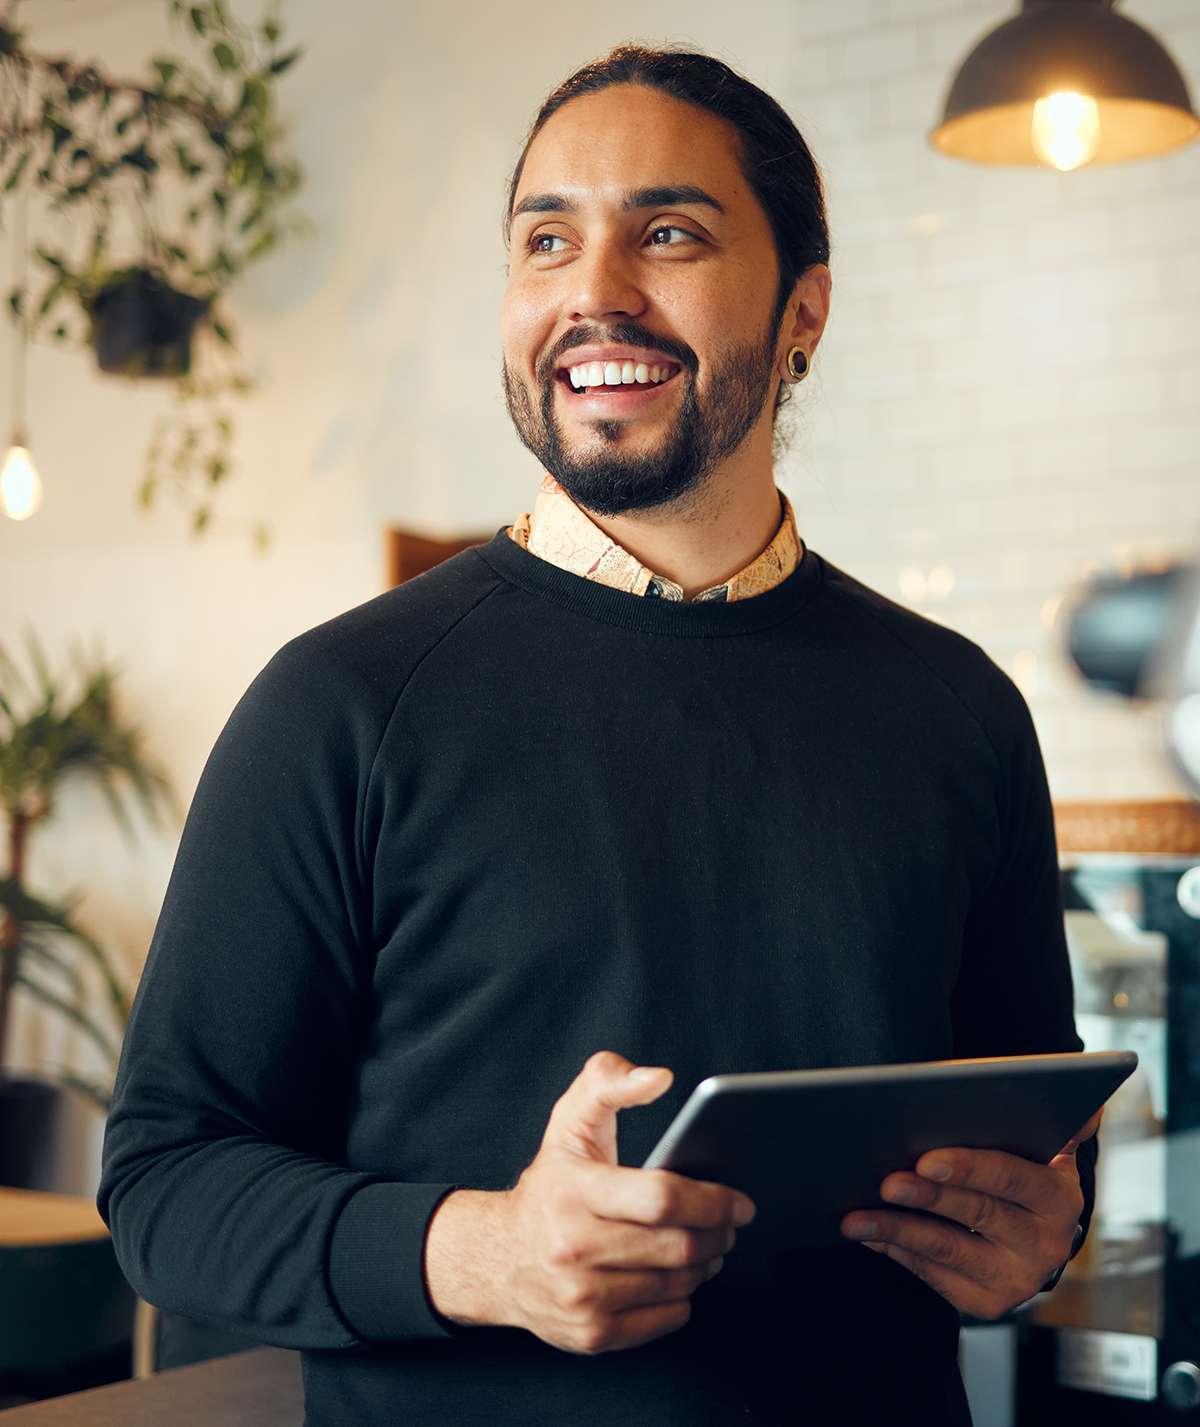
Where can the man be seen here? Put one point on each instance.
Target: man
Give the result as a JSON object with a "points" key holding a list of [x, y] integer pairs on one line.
{"points": [[643, 787]]}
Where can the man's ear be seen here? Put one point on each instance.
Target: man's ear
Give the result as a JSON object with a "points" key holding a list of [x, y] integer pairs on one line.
{"points": [[805, 317]]}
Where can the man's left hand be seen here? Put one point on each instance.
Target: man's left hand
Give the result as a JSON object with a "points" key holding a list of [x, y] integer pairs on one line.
{"points": [[993, 1227]]}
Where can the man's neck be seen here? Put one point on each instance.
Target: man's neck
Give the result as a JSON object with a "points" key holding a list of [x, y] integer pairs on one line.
{"points": [[703, 539]]}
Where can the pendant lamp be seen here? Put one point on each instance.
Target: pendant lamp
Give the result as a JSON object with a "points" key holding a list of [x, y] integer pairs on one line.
{"points": [[1066, 83]]}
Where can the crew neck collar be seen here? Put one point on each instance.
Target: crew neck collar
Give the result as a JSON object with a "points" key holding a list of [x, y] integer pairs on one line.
{"points": [[702, 620]]}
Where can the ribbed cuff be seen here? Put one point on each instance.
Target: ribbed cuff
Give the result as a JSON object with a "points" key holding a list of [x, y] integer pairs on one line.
{"points": [[377, 1262]]}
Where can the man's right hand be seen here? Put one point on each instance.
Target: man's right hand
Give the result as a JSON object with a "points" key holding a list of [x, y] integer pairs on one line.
{"points": [[588, 1255]]}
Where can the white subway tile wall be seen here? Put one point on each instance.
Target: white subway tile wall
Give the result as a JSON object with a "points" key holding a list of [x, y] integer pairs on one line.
{"points": [[1009, 389]]}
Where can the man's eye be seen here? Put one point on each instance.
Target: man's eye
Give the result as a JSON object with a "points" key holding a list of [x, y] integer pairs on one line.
{"points": [[548, 243], [668, 234]]}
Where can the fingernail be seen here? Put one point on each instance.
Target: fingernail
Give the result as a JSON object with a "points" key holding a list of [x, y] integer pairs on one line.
{"points": [[934, 1169], [743, 1212], [863, 1229], [642, 1072], [902, 1194], [715, 1267]]}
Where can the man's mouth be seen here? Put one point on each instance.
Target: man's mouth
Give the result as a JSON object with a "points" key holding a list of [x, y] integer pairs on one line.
{"points": [[594, 377]]}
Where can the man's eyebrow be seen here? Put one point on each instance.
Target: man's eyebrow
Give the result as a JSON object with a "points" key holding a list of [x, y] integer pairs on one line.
{"points": [[667, 196], [543, 203]]}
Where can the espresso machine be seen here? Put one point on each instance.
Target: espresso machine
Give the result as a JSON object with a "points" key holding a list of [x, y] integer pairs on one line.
{"points": [[1118, 1340]]}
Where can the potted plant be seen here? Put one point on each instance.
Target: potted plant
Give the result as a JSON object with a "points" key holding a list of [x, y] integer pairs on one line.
{"points": [[150, 197], [47, 739]]}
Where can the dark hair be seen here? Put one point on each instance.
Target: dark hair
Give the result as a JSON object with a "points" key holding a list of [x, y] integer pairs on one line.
{"points": [[775, 159]]}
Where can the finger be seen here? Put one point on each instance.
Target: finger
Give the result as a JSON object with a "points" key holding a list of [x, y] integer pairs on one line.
{"points": [[584, 1120], [658, 1197], [1085, 1134], [997, 1219], [631, 1246], [1041, 1188], [619, 1290], [937, 1240], [639, 1325]]}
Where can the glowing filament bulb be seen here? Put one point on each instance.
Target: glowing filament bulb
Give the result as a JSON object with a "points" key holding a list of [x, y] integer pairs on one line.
{"points": [[20, 484], [1066, 130]]}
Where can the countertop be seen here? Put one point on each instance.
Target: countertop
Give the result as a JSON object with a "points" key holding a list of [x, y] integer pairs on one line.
{"points": [[261, 1388]]}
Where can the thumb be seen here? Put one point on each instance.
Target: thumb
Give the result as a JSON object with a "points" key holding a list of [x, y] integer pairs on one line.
{"points": [[584, 1121], [1085, 1134]]}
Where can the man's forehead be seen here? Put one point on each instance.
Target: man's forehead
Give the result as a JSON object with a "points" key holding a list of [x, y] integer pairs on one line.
{"points": [[640, 147]]}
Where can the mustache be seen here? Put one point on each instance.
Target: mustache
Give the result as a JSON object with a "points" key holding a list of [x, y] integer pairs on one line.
{"points": [[627, 334]]}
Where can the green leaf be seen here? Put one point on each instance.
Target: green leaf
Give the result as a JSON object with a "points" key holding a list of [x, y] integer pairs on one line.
{"points": [[18, 169], [200, 519], [140, 158], [263, 245], [167, 70], [256, 96], [224, 56], [285, 62], [98, 1093], [199, 20], [78, 1018], [271, 31], [222, 333], [217, 469]]}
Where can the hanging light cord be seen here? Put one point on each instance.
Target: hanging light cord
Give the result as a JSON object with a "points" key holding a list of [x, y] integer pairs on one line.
{"points": [[19, 270], [21, 344]]}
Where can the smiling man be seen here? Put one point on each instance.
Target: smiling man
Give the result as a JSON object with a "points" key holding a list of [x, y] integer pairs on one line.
{"points": [[643, 787]]}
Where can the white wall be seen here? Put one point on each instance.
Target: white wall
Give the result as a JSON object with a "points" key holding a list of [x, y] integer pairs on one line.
{"points": [[1010, 385]]}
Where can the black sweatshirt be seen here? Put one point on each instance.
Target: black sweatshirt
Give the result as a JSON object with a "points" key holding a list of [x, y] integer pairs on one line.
{"points": [[458, 839]]}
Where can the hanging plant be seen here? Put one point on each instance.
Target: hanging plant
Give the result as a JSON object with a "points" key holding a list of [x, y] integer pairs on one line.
{"points": [[151, 197]]}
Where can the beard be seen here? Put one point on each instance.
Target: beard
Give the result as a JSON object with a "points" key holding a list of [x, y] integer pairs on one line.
{"points": [[597, 474]]}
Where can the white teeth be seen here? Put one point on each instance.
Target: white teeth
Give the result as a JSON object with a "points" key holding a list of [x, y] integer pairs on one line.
{"points": [[590, 374]]}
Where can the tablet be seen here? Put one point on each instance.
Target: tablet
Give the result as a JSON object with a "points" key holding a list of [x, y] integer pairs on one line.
{"points": [[810, 1145]]}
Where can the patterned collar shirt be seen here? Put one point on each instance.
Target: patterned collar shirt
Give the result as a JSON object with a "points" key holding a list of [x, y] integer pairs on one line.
{"points": [[558, 531]]}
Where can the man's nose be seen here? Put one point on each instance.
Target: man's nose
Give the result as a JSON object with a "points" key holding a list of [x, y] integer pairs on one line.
{"points": [[606, 285]]}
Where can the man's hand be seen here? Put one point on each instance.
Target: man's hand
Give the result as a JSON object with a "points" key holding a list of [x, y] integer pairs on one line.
{"points": [[587, 1254], [1003, 1226]]}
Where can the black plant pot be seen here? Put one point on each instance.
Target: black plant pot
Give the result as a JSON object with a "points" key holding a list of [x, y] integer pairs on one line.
{"points": [[30, 1111], [141, 327]]}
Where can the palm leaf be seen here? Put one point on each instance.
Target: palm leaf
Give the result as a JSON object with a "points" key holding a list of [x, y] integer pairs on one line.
{"points": [[32, 946], [32, 912], [78, 1017], [98, 1093]]}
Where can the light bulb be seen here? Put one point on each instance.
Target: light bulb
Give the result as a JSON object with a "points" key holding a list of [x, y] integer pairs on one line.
{"points": [[1066, 130], [20, 484]]}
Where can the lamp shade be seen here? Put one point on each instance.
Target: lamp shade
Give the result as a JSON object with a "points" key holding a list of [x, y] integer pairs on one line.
{"points": [[1108, 76]]}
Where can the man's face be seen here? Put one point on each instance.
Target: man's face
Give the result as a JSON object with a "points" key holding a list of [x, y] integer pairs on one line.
{"points": [[639, 346]]}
